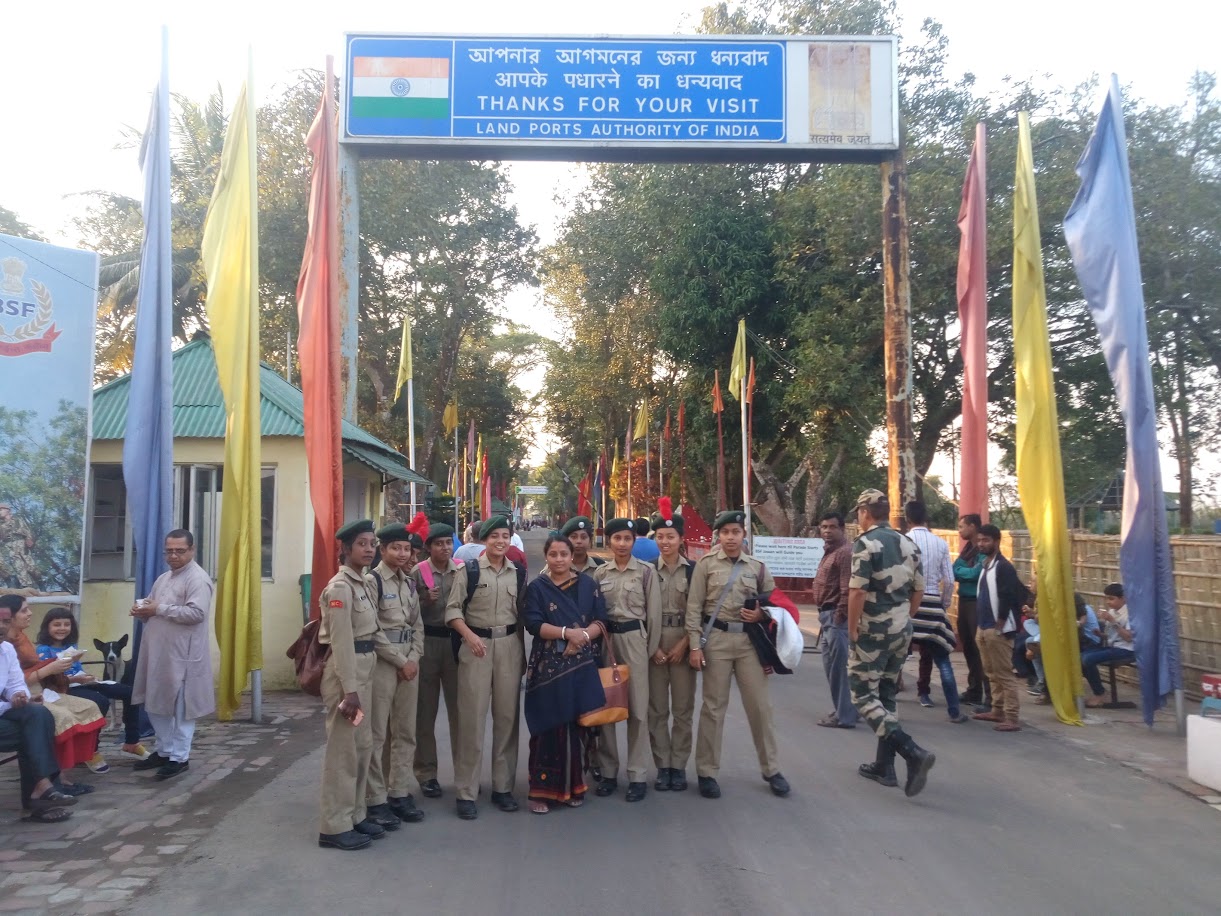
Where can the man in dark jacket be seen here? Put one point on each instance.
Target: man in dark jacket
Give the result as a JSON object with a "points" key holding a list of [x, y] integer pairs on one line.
{"points": [[998, 615]]}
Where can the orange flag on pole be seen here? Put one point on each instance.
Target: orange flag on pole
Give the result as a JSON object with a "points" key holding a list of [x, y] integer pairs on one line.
{"points": [[318, 344], [717, 404]]}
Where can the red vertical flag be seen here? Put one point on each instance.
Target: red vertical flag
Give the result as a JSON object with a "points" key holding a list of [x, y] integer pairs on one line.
{"points": [[973, 321], [318, 344], [718, 408]]}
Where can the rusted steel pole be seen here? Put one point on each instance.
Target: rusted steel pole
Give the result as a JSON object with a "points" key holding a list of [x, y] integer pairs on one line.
{"points": [[897, 317]]}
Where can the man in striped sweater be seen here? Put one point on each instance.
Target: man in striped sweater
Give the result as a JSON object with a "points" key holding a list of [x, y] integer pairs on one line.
{"points": [[932, 636]]}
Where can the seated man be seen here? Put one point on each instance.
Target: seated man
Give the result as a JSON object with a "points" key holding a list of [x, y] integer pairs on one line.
{"points": [[1089, 632], [29, 729], [1119, 642]]}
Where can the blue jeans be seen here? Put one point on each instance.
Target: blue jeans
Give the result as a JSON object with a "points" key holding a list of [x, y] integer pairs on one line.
{"points": [[835, 650], [949, 684], [1094, 657]]}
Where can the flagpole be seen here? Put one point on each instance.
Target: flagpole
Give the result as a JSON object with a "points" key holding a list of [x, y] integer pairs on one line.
{"points": [[629, 462], [720, 464], [457, 470], [745, 461], [661, 464], [411, 436], [648, 459]]}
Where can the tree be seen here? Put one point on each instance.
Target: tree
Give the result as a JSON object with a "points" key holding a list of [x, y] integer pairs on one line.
{"points": [[11, 224]]}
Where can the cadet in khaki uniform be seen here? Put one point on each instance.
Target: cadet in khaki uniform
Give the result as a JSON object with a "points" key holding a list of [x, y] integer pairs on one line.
{"points": [[434, 580], [491, 662], [728, 579], [395, 679], [349, 626], [579, 531], [633, 605], [671, 680]]}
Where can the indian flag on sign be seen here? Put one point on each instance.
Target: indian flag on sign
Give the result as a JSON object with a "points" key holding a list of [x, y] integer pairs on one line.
{"points": [[400, 87]]}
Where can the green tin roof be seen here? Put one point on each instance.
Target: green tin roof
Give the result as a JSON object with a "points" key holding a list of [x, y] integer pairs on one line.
{"points": [[199, 411]]}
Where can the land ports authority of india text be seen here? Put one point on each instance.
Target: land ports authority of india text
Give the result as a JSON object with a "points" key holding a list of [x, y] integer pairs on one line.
{"points": [[614, 90]]}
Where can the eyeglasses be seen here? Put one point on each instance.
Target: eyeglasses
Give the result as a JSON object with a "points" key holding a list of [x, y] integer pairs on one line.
{"points": [[177, 551]]}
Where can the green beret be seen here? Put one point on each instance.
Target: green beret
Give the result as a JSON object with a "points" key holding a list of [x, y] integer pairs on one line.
{"points": [[577, 523], [674, 522], [351, 530], [496, 521], [731, 517], [439, 530], [396, 531], [642, 527], [616, 525]]}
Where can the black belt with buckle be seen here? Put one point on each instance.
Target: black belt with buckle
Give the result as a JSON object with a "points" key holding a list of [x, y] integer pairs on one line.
{"points": [[362, 646], [674, 621], [440, 632], [729, 626], [626, 626], [494, 632]]}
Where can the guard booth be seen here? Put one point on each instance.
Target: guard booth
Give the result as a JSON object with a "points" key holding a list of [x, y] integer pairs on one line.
{"points": [[711, 98]]}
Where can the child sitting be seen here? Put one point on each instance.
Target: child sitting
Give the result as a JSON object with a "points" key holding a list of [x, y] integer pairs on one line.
{"points": [[59, 632]]}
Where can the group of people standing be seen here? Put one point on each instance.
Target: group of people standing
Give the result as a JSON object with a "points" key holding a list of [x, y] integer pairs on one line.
{"points": [[458, 628]]}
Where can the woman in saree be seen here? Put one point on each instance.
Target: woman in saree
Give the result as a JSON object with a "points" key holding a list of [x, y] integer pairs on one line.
{"points": [[565, 613], [78, 722]]}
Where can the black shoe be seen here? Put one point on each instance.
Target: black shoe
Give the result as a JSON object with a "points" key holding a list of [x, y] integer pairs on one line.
{"points": [[637, 790], [347, 841], [709, 787], [383, 816], [405, 810], [504, 801], [155, 761], [371, 828], [780, 785], [172, 769], [606, 787], [467, 810], [430, 788], [882, 770], [919, 761], [678, 780], [663, 779]]}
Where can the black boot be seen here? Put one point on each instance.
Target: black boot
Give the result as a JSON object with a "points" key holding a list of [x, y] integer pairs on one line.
{"points": [[882, 770], [919, 761]]}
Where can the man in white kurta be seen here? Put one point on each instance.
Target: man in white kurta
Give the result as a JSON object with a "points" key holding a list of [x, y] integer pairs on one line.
{"points": [[174, 669]]}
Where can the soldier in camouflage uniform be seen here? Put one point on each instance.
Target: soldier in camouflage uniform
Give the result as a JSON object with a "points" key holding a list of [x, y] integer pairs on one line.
{"points": [[887, 581]]}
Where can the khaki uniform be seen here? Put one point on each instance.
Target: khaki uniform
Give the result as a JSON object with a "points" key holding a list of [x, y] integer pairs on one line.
{"points": [[730, 654], [633, 599], [493, 681], [349, 615], [438, 671], [394, 701], [672, 687], [591, 566]]}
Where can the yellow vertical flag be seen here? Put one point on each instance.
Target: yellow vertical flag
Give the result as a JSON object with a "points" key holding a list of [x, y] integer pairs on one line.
{"points": [[231, 262], [404, 359], [737, 366], [1039, 471], [450, 418], [642, 422]]}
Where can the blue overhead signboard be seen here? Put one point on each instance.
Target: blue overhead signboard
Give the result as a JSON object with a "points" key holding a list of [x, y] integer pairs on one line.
{"points": [[524, 93]]}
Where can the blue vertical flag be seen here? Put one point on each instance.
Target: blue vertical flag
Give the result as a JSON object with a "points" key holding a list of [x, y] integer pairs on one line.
{"points": [[148, 444], [1101, 232]]}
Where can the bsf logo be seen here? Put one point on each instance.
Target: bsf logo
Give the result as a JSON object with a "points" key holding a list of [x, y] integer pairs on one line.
{"points": [[25, 326]]}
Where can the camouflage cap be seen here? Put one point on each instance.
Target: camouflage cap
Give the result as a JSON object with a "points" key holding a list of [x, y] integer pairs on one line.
{"points": [[869, 497]]}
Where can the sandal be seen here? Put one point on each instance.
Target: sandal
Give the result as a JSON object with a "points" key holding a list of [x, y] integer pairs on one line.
{"points": [[52, 798], [539, 807], [575, 802], [49, 815], [75, 788]]}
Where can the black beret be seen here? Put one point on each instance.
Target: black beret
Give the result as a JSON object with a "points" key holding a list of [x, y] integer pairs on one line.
{"points": [[439, 530], [351, 530], [577, 523], [674, 522], [731, 517], [616, 525], [496, 521], [395, 531]]}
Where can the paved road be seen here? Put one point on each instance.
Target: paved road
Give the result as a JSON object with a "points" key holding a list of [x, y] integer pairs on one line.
{"points": [[1021, 823]]}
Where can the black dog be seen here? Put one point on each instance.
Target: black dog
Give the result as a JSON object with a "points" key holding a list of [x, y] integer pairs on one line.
{"points": [[113, 665]]}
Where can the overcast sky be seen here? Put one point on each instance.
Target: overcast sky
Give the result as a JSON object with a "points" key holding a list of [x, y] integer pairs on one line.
{"points": [[76, 73]]}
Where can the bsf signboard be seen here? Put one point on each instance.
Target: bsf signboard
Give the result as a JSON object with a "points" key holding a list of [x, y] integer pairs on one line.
{"points": [[48, 303], [764, 97], [795, 557]]}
